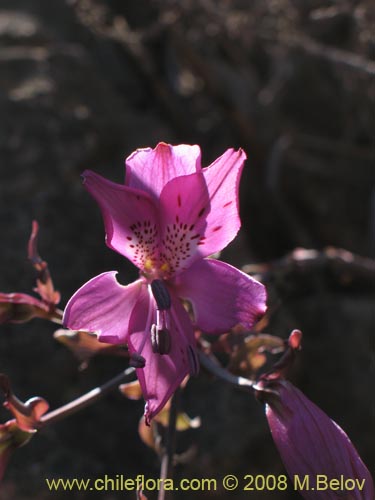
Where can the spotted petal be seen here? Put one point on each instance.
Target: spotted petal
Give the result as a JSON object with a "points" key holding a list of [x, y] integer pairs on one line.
{"points": [[104, 306], [184, 204], [151, 169], [221, 295], [199, 212], [163, 373], [222, 179], [130, 218]]}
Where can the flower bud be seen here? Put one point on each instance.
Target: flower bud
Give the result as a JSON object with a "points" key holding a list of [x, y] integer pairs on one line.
{"points": [[313, 446]]}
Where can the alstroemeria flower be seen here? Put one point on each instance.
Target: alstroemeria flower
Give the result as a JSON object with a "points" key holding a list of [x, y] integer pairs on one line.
{"points": [[166, 219], [318, 456]]}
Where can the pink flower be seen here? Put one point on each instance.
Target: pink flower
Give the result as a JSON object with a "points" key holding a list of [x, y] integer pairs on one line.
{"points": [[313, 446], [168, 217]]}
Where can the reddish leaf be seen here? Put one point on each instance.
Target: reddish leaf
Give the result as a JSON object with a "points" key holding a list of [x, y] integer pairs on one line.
{"points": [[11, 437], [20, 307], [149, 434], [27, 414], [295, 339], [85, 345], [248, 355], [281, 367], [44, 282], [183, 421], [132, 390]]}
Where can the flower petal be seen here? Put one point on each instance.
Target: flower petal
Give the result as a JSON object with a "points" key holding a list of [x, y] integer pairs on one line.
{"points": [[130, 218], [184, 204], [104, 306], [222, 179], [221, 295], [150, 169], [199, 212], [163, 373], [311, 444]]}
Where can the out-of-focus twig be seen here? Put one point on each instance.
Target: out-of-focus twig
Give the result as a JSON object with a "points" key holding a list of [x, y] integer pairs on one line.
{"points": [[274, 167], [343, 264], [315, 165], [103, 22], [336, 56], [87, 399], [220, 94], [210, 363], [166, 469]]}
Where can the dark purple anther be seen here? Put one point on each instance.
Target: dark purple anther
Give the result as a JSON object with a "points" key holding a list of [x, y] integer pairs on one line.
{"points": [[161, 294], [137, 361], [160, 340], [193, 360]]}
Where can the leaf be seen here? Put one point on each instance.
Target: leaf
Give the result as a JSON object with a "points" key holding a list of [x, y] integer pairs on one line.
{"points": [[27, 414], [85, 345], [149, 434], [44, 282], [248, 356], [183, 421], [131, 390], [20, 307], [11, 437]]}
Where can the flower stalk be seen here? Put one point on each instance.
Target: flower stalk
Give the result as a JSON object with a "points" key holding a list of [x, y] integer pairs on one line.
{"points": [[166, 469], [86, 399]]}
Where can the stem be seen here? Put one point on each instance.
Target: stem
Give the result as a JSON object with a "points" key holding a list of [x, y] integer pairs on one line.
{"points": [[212, 365], [57, 316], [166, 469], [86, 399]]}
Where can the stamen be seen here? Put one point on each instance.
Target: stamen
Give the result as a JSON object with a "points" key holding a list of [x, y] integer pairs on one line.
{"points": [[137, 361], [160, 340], [162, 319], [191, 353], [154, 340], [193, 360], [160, 336], [147, 329], [161, 294]]}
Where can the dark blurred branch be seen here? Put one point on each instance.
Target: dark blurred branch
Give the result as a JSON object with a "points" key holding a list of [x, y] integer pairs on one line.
{"points": [[328, 53], [314, 154], [274, 166], [342, 172], [211, 364], [343, 264], [166, 469], [99, 19], [87, 399], [215, 88]]}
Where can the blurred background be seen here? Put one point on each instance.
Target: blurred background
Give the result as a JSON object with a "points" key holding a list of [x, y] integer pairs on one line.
{"points": [[83, 83]]}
